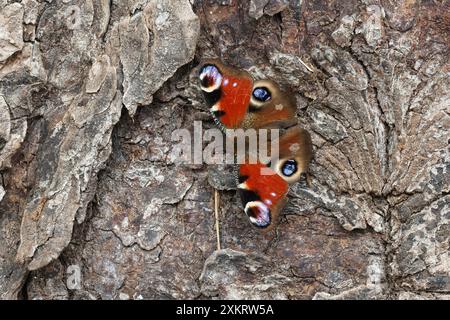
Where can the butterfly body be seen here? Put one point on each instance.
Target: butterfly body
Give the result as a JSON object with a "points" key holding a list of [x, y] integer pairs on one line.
{"points": [[237, 101]]}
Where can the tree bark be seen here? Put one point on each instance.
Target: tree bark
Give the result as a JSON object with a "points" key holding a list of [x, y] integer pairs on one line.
{"points": [[91, 91]]}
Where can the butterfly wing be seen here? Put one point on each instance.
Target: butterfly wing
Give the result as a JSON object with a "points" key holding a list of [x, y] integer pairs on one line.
{"points": [[263, 188], [237, 102], [263, 194], [227, 92], [295, 153], [270, 107]]}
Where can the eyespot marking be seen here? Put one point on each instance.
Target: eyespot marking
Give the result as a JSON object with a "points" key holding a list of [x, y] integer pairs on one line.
{"points": [[261, 94], [248, 196], [258, 213], [289, 168], [210, 78]]}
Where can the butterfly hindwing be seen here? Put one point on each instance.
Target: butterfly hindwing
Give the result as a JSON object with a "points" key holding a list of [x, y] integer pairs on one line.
{"points": [[263, 188], [263, 194]]}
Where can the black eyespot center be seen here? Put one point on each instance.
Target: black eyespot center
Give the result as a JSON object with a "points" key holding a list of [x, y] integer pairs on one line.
{"points": [[289, 168], [262, 94]]}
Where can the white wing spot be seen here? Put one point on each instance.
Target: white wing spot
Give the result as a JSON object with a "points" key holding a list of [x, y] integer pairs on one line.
{"points": [[294, 147]]}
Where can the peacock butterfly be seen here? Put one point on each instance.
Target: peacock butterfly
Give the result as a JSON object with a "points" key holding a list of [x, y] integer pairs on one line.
{"points": [[238, 101]]}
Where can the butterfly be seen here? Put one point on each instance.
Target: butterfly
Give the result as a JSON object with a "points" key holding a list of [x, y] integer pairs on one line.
{"points": [[237, 101]]}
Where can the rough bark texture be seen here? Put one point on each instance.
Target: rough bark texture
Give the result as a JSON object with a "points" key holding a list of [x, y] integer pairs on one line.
{"points": [[90, 92]]}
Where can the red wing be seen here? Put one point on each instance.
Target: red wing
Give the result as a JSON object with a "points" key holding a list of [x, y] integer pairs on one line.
{"points": [[263, 194], [227, 92], [263, 189]]}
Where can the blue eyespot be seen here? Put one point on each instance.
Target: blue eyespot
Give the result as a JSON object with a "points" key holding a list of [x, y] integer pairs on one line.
{"points": [[289, 168], [262, 94]]}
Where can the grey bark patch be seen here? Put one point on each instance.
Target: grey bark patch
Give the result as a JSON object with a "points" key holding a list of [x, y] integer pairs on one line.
{"points": [[154, 43], [11, 29], [230, 273], [79, 142]]}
